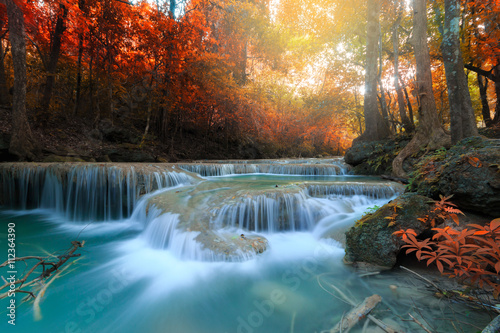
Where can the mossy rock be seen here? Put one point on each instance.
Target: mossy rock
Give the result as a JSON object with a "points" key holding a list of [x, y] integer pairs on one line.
{"points": [[371, 240], [375, 158], [470, 171]]}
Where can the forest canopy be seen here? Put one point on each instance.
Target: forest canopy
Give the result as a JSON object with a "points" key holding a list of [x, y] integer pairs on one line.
{"points": [[291, 78]]}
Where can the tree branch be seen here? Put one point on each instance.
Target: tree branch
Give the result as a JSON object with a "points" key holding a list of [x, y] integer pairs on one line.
{"points": [[488, 74]]}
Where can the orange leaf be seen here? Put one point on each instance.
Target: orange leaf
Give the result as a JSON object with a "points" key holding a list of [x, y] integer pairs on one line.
{"points": [[439, 266], [495, 224], [475, 162]]}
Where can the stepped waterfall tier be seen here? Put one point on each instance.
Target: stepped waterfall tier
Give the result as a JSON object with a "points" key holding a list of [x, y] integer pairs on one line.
{"points": [[84, 191], [208, 246]]}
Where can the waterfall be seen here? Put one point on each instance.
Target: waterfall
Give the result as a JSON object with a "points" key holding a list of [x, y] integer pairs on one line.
{"points": [[306, 169], [272, 213], [203, 221], [164, 232], [82, 192], [370, 190]]}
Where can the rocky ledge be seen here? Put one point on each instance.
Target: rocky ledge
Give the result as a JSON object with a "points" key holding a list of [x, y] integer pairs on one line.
{"points": [[371, 239], [470, 171]]}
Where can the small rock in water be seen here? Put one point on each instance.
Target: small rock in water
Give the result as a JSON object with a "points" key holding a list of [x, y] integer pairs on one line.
{"points": [[394, 290]]}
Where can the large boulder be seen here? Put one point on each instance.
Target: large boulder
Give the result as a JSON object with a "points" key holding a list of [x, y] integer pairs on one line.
{"points": [[470, 171], [371, 240], [375, 157]]}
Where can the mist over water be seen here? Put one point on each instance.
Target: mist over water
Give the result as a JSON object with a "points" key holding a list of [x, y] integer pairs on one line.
{"points": [[143, 270]]}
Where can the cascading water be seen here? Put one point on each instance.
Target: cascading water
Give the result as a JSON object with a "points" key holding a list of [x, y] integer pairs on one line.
{"points": [[245, 253], [311, 167], [83, 192]]}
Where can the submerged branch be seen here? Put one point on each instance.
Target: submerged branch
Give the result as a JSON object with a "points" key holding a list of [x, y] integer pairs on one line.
{"points": [[43, 262]]}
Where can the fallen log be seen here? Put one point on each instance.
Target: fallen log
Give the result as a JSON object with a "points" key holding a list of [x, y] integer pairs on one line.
{"points": [[356, 314], [493, 327]]}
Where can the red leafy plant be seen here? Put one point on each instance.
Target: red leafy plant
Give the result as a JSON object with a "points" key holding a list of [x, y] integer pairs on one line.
{"points": [[471, 254]]}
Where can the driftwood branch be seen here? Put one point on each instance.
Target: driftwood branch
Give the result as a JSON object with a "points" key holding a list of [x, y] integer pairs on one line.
{"points": [[423, 278], [356, 314], [349, 301], [419, 323], [43, 262], [493, 327]]}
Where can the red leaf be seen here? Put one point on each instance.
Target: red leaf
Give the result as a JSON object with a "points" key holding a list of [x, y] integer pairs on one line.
{"points": [[439, 266], [495, 224]]}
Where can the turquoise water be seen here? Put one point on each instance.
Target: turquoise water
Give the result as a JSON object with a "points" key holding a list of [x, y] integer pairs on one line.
{"points": [[123, 284]]}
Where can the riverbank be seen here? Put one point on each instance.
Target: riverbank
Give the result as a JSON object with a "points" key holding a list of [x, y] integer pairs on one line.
{"points": [[466, 174], [73, 139]]}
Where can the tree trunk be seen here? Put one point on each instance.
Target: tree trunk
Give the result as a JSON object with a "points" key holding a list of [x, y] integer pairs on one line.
{"points": [[383, 106], [407, 125], [55, 52], [383, 103], [79, 74], [21, 143], [429, 133], [462, 118], [408, 104], [243, 65], [4, 89], [482, 82], [496, 117], [374, 129]]}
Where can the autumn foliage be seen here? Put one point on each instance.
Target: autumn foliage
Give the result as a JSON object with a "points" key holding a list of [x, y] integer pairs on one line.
{"points": [[471, 254], [206, 70], [286, 76]]}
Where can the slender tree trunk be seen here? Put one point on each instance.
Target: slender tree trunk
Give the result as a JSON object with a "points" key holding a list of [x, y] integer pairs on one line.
{"points": [[79, 74], [374, 129], [407, 125], [243, 65], [385, 110], [482, 82], [4, 90], [21, 143], [408, 104], [55, 52], [429, 133], [462, 118], [383, 103], [91, 83], [496, 117]]}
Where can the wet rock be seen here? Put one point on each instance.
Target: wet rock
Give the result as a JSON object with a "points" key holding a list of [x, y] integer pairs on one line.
{"points": [[371, 240], [231, 246], [375, 158], [470, 171]]}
